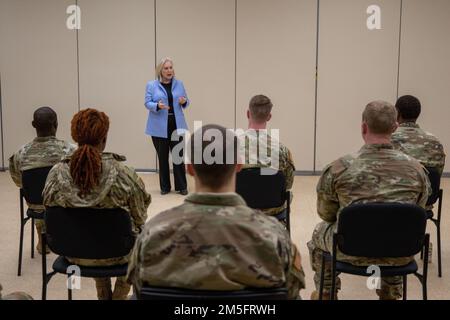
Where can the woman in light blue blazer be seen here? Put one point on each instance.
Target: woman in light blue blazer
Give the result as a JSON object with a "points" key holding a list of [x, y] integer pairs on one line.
{"points": [[166, 98]]}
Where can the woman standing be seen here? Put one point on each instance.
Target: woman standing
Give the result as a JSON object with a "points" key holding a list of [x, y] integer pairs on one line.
{"points": [[165, 98]]}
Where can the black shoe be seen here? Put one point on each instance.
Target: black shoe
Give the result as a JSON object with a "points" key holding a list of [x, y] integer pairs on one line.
{"points": [[183, 192], [164, 192]]}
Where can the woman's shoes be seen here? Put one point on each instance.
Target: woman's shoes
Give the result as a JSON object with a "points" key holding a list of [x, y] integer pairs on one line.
{"points": [[183, 192]]}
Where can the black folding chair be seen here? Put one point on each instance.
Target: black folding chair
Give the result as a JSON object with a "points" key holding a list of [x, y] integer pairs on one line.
{"points": [[33, 182], [380, 230], [86, 233], [265, 189], [436, 196], [155, 293]]}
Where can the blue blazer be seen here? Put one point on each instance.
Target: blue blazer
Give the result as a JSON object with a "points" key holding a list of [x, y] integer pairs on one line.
{"points": [[157, 120]]}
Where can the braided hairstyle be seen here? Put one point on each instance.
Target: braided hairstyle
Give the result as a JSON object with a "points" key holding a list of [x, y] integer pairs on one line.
{"points": [[89, 128]]}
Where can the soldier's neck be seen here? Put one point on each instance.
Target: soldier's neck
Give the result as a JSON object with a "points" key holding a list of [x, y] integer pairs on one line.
{"points": [[257, 126], [227, 188], [377, 139]]}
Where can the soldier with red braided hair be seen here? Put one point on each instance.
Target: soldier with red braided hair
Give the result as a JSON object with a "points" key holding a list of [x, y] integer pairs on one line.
{"points": [[96, 179]]}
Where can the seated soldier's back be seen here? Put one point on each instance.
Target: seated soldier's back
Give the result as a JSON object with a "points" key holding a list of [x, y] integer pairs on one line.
{"points": [[211, 242], [379, 173], [419, 144]]}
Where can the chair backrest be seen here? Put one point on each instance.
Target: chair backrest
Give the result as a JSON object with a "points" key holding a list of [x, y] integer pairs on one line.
{"points": [[33, 182], [381, 230], [89, 233], [261, 189], [154, 293], [435, 180]]}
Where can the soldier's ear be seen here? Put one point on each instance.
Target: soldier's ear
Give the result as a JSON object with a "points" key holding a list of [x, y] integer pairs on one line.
{"points": [[248, 114], [395, 126], [33, 124], [269, 117], [238, 167], [364, 128]]}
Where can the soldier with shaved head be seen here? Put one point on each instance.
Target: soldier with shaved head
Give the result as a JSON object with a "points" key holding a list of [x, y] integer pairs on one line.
{"points": [[44, 151], [376, 173]]}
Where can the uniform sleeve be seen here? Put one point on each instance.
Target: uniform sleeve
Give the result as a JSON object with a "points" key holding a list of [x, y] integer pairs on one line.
{"points": [[426, 188], [441, 158], [295, 277], [288, 167], [150, 104], [327, 200], [139, 200], [184, 93], [14, 169], [51, 185]]}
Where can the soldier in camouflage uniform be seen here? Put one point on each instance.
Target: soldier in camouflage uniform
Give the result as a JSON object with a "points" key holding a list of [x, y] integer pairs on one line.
{"points": [[414, 141], [44, 151], [111, 184], [377, 173], [261, 150], [213, 241], [15, 295]]}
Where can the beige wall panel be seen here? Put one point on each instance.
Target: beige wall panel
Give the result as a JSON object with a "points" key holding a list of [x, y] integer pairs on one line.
{"points": [[276, 56], [2, 164], [425, 64], [38, 66], [117, 57], [356, 66], [200, 36]]}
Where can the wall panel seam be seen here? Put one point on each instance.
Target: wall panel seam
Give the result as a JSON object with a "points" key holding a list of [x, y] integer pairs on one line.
{"points": [[399, 47], [316, 86], [78, 65], [1, 126]]}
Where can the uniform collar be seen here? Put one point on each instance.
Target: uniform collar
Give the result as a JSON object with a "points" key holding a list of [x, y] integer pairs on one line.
{"points": [[230, 199], [44, 139], [377, 146], [409, 125]]}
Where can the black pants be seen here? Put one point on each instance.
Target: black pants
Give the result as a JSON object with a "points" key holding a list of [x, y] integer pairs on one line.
{"points": [[163, 146]]}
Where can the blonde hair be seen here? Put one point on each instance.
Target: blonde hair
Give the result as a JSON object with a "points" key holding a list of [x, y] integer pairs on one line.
{"points": [[160, 66], [380, 116]]}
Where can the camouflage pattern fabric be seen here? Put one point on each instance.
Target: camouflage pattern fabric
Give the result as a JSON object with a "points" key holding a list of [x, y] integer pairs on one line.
{"points": [[421, 145], [258, 148], [39, 153], [377, 173], [119, 187], [215, 242]]}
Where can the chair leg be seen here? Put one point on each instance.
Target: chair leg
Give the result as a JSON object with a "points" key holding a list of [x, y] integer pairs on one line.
{"points": [[44, 270], [438, 229], [32, 238], [22, 226], [405, 287], [69, 290], [333, 270], [425, 268], [322, 275]]}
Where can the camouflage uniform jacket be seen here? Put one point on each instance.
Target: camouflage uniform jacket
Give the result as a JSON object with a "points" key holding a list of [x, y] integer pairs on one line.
{"points": [[254, 142], [377, 173], [41, 152], [215, 242], [119, 187], [421, 145]]}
